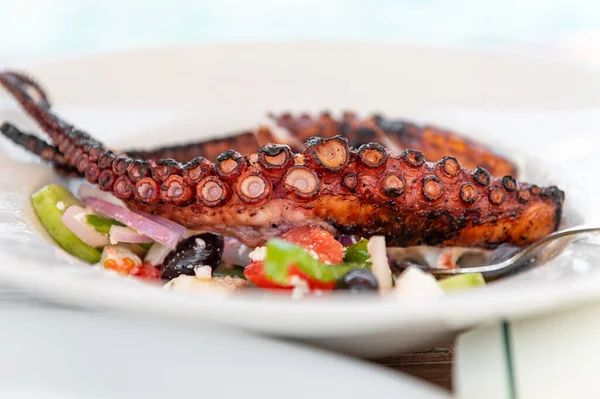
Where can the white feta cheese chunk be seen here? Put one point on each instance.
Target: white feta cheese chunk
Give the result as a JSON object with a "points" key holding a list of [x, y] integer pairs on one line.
{"points": [[379, 262], [414, 283], [258, 254]]}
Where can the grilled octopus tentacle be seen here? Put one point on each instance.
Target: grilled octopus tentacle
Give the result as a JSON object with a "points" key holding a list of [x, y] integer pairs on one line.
{"points": [[366, 191], [405, 198], [40, 148]]}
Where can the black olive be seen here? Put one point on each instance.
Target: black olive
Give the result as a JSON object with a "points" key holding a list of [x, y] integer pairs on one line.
{"points": [[203, 249], [358, 280]]}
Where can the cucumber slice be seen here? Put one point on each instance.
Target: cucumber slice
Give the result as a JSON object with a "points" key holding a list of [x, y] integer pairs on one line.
{"points": [[101, 224], [462, 282], [49, 204]]}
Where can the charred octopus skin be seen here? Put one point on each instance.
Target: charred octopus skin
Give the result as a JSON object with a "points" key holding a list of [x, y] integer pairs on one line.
{"points": [[367, 191]]}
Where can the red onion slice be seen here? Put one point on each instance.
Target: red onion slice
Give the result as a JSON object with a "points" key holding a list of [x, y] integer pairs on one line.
{"points": [[125, 234], [347, 240], [141, 224], [74, 219], [169, 224]]}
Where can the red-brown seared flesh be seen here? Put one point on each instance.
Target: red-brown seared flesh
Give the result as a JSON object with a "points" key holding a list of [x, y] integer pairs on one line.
{"points": [[425, 204], [365, 192]]}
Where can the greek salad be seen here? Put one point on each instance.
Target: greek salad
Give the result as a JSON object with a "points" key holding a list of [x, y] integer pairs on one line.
{"points": [[98, 229]]}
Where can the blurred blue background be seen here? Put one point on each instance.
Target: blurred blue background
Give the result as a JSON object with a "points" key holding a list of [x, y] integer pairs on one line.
{"points": [[33, 29]]}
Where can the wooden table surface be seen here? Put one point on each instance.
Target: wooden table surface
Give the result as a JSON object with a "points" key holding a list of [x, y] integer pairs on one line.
{"points": [[434, 365]]}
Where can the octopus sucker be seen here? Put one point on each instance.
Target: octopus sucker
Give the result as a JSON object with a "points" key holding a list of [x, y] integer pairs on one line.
{"points": [[330, 154], [332, 180], [230, 164]]}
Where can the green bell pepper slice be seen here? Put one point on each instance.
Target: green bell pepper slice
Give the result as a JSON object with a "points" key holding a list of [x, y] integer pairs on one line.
{"points": [[281, 255]]}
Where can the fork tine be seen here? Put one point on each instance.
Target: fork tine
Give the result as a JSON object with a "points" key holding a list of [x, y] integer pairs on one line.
{"points": [[518, 261]]}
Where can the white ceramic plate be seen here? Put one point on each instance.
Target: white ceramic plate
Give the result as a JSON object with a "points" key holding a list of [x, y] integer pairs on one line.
{"points": [[88, 355], [539, 113]]}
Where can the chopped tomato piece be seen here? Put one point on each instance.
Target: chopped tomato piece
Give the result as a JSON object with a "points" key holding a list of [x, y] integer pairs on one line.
{"points": [[315, 239], [255, 272], [146, 271], [327, 248], [123, 266]]}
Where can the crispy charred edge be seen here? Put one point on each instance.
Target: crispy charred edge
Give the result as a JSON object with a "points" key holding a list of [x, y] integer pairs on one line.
{"points": [[509, 183], [138, 169], [556, 196], [372, 155], [414, 158], [230, 165], [197, 169], [40, 148], [481, 176], [245, 142], [165, 168], [301, 182], [120, 165], [253, 187], [328, 154], [275, 157]]}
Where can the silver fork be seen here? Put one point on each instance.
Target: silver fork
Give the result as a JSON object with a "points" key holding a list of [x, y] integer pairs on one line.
{"points": [[519, 259]]}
